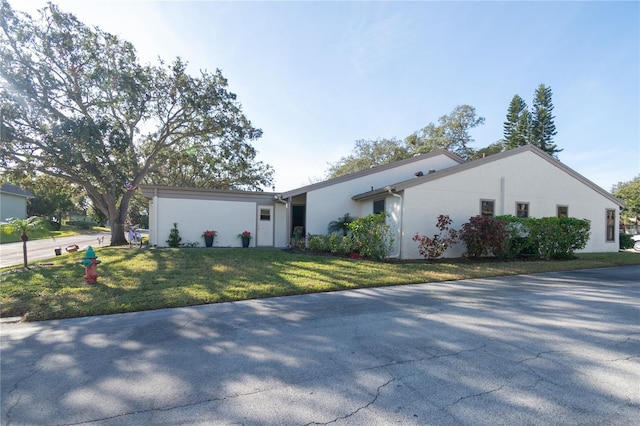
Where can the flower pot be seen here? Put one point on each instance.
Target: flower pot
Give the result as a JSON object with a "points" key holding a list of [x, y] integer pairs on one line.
{"points": [[208, 241], [245, 241]]}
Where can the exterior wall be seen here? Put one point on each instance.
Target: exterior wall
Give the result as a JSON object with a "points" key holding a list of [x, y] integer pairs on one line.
{"points": [[519, 178], [227, 218], [328, 203], [280, 225], [12, 206]]}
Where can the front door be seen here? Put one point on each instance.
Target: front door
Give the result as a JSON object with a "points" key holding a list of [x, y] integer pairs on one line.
{"points": [[265, 226]]}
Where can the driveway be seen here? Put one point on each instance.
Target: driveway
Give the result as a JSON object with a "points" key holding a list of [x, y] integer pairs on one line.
{"points": [[554, 348]]}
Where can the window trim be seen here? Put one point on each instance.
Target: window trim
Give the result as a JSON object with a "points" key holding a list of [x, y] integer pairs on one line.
{"points": [[610, 228], [384, 206], [523, 203], [493, 207], [558, 206]]}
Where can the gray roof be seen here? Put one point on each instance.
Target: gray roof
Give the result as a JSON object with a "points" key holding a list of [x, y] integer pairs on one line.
{"points": [[478, 163], [370, 171], [8, 188]]}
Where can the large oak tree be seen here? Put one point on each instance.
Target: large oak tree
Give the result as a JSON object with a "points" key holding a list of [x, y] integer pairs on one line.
{"points": [[76, 103]]}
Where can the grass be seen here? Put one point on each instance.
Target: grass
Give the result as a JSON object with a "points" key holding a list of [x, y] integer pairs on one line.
{"points": [[65, 231], [134, 280]]}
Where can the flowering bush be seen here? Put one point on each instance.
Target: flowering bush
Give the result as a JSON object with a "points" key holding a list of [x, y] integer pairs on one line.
{"points": [[435, 247], [245, 234], [209, 234], [484, 236]]}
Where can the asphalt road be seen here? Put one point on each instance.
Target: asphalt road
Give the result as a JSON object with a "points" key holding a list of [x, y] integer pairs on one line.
{"points": [[11, 253], [547, 349]]}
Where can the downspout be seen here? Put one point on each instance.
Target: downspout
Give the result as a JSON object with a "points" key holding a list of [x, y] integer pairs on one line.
{"points": [[502, 193], [393, 194]]}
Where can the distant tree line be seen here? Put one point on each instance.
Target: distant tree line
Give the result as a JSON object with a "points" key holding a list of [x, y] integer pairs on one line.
{"points": [[451, 132]]}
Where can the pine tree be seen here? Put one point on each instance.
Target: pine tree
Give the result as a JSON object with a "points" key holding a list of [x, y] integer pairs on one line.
{"points": [[542, 127], [174, 237], [517, 128]]}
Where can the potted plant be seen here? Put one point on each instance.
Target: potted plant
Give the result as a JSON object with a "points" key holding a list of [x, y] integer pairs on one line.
{"points": [[208, 238], [245, 237]]}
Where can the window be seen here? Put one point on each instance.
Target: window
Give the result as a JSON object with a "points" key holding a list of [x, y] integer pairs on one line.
{"points": [[522, 209], [265, 214], [563, 211], [378, 206], [611, 225], [487, 208]]}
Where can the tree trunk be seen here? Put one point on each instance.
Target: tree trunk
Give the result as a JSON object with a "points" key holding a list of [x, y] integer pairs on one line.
{"points": [[117, 233]]}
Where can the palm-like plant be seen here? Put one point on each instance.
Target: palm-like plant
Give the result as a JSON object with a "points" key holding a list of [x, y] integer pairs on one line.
{"points": [[24, 227], [341, 225]]}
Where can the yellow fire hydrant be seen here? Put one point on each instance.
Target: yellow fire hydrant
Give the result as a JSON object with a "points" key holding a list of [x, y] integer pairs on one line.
{"points": [[90, 262]]}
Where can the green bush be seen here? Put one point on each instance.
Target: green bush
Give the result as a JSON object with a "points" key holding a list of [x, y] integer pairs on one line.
{"points": [[372, 235], [558, 237], [518, 243], [626, 242], [174, 237], [318, 242], [83, 225]]}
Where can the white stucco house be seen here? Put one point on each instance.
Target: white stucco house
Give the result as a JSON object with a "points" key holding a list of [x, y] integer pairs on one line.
{"points": [[13, 201], [522, 182]]}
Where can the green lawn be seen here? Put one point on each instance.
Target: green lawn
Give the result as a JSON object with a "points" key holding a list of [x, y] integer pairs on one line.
{"points": [[142, 279], [65, 231]]}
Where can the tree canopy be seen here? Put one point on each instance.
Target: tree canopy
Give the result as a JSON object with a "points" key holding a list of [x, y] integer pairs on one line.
{"points": [[517, 128], [451, 133], [77, 104], [543, 128], [367, 154], [629, 192]]}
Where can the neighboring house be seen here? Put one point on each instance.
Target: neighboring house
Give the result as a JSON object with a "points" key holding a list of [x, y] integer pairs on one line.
{"points": [[522, 182], [13, 201]]}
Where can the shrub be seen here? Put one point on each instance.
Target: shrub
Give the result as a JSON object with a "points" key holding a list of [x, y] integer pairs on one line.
{"points": [[518, 242], [626, 242], [340, 226], [435, 247], [174, 237], [83, 225], [372, 235], [558, 237], [484, 236], [318, 242]]}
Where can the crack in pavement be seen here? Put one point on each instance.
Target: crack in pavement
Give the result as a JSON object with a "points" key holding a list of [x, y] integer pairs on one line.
{"points": [[478, 394], [161, 409], [426, 358], [370, 403], [15, 388]]}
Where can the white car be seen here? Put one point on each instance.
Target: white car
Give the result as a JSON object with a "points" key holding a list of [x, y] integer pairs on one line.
{"points": [[636, 244]]}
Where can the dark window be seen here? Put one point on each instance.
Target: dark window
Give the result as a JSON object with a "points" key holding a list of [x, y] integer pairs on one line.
{"points": [[487, 208], [265, 214], [563, 211], [378, 206], [522, 209], [611, 225]]}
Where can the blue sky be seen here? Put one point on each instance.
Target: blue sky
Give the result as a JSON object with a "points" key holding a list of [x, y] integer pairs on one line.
{"points": [[317, 76]]}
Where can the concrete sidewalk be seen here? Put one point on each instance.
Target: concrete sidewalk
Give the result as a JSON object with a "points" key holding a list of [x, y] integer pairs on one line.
{"points": [[556, 348]]}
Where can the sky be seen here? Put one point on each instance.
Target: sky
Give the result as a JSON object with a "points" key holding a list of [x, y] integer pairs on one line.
{"points": [[318, 76]]}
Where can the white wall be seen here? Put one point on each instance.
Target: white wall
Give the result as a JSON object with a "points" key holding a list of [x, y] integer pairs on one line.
{"points": [[12, 206], [280, 225], [525, 178], [227, 218], [329, 203]]}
